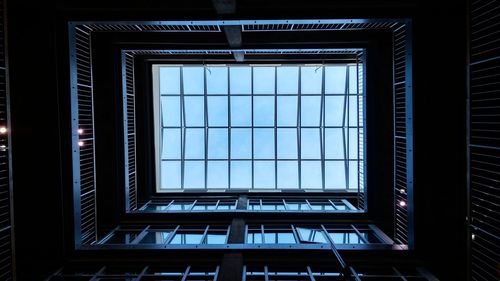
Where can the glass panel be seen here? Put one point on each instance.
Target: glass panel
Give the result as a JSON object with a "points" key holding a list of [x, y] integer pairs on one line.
{"points": [[264, 174], [311, 79], [180, 206], [241, 111], [334, 110], [279, 237], [217, 174], [241, 174], [241, 143], [310, 111], [155, 237], [195, 111], [263, 143], [204, 206], [171, 144], [273, 206], [230, 205], [195, 144], [194, 174], [254, 237], [241, 81], [171, 111], [193, 80], [171, 175], [334, 144], [311, 235], [217, 111], [310, 144], [297, 205], [217, 80], [335, 175], [288, 175], [311, 175], [263, 111], [353, 174], [353, 144], [169, 81], [215, 238], [217, 143], [370, 237], [353, 111], [184, 238], [353, 79], [345, 237], [287, 111], [287, 143], [288, 78], [322, 206], [335, 79], [263, 80]]}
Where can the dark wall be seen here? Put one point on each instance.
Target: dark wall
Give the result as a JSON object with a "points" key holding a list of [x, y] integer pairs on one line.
{"points": [[39, 100]]}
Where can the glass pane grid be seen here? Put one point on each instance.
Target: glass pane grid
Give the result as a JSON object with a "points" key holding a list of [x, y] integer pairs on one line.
{"points": [[261, 127]]}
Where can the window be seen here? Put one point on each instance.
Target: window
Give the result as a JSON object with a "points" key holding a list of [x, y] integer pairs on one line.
{"points": [[261, 127]]}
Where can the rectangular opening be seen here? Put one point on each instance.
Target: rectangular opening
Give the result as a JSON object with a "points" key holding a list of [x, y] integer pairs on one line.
{"points": [[259, 127]]}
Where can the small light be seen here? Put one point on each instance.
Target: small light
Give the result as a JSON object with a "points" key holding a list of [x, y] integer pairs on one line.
{"points": [[402, 203], [473, 236], [3, 147], [80, 131], [80, 143], [3, 130], [402, 190]]}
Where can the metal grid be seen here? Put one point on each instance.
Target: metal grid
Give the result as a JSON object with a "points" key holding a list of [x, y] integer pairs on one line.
{"points": [[351, 124], [129, 130], [6, 211], [83, 134], [403, 171], [484, 139]]}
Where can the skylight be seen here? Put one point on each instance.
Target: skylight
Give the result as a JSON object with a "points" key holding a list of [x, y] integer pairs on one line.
{"points": [[260, 127]]}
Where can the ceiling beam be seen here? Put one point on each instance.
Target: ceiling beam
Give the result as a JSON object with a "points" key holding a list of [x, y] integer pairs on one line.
{"points": [[224, 7], [233, 32]]}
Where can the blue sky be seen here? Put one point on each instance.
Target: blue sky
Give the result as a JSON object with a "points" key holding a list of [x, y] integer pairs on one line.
{"points": [[239, 126]]}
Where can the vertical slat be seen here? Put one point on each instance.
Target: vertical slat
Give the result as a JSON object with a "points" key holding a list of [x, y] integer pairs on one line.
{"points": [[7, 261], [403, 175], [129, 130], [483, 139], [82, 111]]}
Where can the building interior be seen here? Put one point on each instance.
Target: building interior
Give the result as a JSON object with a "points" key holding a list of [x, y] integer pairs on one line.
{"points": [[231, 140]]}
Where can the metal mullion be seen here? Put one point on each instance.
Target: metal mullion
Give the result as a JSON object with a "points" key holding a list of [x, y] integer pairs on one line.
{"points": [[205, 109], [98, 273], [334, 207], [169, 204], [192, 205], [144, 206], [227, 234], [341, 261], [309, 204], [299, 127], [284, 204], [260, 204], [354, 274], [140, 236], [244, 274], [186, 273], [228, 128], [358, 129], [296, 234], [108, 236], [348, 204], [399, 274], [204, 236], [216, 274], [360, 235], [262, 234], [266, 273], [217, 204], [276, 125], [251, 117], [183, 129], [346, 116], [311, 275], [172, 234], [322, 129], [143, 272]]}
